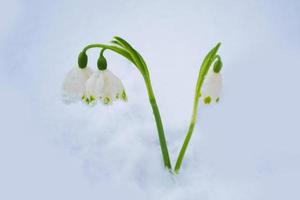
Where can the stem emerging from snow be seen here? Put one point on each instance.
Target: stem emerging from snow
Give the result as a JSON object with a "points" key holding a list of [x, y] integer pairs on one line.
{"points": [[160, 130], [207, 62]]}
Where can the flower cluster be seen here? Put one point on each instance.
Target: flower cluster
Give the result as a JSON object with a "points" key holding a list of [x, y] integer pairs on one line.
{"points": [[89, 86], [92, 86]]}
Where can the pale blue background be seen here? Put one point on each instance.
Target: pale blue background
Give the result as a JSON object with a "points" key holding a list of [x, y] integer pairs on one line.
{"points": [[247, 147]]}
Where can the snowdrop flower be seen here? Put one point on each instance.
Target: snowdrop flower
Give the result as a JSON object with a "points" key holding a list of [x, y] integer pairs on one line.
{"points": [[212, 86], [74, 83], [103, 85]]}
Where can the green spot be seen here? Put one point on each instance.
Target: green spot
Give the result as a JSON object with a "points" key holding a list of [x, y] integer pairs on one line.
{"points": [[92, 98], [124, 96], [218, 99], [85, 99], [88, 100], [106, 100], [207, 100]]}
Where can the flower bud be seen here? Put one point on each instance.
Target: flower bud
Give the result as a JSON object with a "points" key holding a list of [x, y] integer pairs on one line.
{"points": [[218, 66], [82, 60], [101, 63]]}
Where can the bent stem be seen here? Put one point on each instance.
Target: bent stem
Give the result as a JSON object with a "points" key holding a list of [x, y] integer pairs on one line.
{"points": [[207, 62], [125, 49], [159, 125]]}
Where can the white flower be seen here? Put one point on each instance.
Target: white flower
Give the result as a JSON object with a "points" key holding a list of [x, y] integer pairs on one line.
{"points": [[74, 84], [105, 86], [211, 89]]}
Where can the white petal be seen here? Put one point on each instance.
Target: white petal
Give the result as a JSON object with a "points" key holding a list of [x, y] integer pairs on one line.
{"points": [[113, 87], [99, 86], [74, 83], [212, 87], [94, 87]]}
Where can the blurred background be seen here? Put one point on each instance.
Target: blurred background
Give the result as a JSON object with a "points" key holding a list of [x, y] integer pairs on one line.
{"points": [[246, 147]]}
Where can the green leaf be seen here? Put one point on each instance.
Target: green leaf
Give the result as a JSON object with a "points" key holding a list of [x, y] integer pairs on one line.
{"points": [[121, 51], [209, 58], [116, 43], [139, 61]]}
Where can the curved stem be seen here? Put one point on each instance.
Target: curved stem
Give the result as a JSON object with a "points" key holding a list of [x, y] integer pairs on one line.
{"points": [[208, 60], [102, 51], [112, 48], [90, 46], [217, 57], [139, 62]]}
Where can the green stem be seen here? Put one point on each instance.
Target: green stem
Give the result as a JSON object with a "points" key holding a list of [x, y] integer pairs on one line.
{"points": [[112, 48], [159, 125], [188, 136], [207, 62], [94, 46], [102, 51]]}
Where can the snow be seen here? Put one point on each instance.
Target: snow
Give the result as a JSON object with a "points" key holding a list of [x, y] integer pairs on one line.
{"points": [[245, 147]]}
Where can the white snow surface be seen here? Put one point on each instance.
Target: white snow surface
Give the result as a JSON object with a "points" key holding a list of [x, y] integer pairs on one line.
{"points": [[244, 148]]}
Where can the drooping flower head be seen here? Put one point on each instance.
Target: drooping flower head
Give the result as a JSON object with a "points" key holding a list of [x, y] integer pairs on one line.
{"points": [[92, 86], [103, 85]]}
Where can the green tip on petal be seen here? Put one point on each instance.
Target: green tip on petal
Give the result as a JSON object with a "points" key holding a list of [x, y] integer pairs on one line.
{"points": [[124, 96], [92, 98], [106, 100], [207, 100], [218, 99], [88, 100], [85, 99]]}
